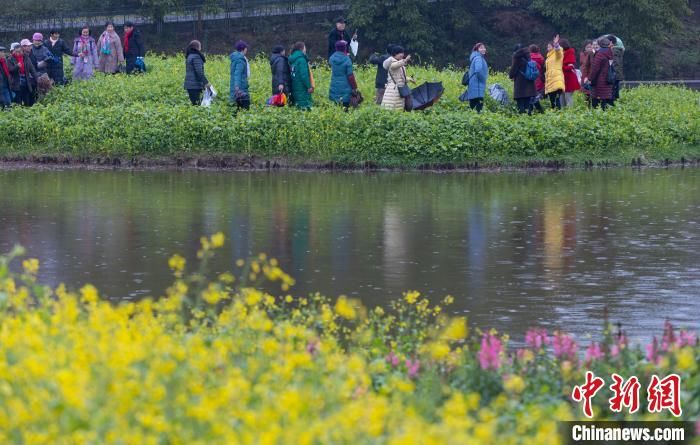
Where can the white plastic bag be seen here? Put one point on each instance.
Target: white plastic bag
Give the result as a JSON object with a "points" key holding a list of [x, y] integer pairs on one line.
{"points": [[212, 91], [354, 45], [208, 98], [578, 76]]}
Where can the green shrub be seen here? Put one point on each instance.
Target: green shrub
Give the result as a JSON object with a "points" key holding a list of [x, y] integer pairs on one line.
{"points": [[150, 116]]}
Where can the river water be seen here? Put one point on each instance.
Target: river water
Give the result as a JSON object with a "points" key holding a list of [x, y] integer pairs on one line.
{"points": [[515, 250]]}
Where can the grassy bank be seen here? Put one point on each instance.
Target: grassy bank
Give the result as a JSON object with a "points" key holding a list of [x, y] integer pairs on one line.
{"points": [[148, 117], [224, 363]]}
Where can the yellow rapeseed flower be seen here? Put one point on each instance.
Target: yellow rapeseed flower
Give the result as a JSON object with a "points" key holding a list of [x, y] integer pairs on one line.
{"points": [[31, 266], [685, 359], [217, 240], [514, 384], [456, 330], [412, 297], [344, 308], [89, 294], [177, 263]]}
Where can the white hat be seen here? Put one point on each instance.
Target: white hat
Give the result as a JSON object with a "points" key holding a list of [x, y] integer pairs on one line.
{"points": [[14, 46]]}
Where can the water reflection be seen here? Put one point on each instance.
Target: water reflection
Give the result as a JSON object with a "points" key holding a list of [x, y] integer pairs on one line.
{"points": [[515, 250]]}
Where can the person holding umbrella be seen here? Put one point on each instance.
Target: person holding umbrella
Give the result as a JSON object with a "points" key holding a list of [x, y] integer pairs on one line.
{"points": [[339, 33], [397, 95]]}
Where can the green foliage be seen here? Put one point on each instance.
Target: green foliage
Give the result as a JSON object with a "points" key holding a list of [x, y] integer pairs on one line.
{"points": [[150, 116]]}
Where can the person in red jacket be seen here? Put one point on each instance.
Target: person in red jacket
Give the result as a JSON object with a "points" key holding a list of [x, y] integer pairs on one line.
{"points": [[602, 93], [571, 82], [536, 56]]}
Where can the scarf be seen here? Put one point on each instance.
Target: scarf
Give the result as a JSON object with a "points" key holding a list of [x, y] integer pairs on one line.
{"points": [[53, 42], [126, 40], [106, 43], [3, 63], [20, 61], [84, 46]]}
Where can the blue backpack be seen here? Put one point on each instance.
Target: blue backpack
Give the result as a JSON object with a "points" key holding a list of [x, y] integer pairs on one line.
{"points": [[531, 72]]}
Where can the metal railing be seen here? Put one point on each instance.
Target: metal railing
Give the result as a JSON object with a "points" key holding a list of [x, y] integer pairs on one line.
{"points": [[224, 10]]}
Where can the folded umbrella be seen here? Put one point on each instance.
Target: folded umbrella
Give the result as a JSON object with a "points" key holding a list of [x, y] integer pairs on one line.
{"points": [[426, 95]]}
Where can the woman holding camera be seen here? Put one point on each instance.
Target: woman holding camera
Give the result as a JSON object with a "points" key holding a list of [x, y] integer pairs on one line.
{"points": [[396, 81]]}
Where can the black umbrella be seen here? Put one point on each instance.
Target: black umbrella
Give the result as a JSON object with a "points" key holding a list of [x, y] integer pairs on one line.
{"points": [[426, 95]]}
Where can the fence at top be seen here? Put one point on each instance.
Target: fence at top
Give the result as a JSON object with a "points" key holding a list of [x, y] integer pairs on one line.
{"points": [[224, 10]]}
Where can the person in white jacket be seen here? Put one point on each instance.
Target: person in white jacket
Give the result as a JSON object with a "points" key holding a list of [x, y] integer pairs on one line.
{"points": [[396, 67]]}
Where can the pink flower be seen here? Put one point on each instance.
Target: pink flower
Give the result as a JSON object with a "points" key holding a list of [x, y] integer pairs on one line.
{"points": [[490, 352], [614, 351], [687, 338], [653, 351], [669, 338], [565, 348], [392, 359], [619, 346], [312, 347], [536, 338], [594, 352], [413, 368]]}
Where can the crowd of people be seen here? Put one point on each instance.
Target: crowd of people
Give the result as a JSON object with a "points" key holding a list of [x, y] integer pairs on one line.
{"points": [[556, 77], [32, 67]]}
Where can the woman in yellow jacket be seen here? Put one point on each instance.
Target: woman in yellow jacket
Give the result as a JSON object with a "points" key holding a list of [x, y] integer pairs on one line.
{"points": [[554, 73]]}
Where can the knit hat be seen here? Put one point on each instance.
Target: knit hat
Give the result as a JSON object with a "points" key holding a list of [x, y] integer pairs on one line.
{"points": [[14, 46], [277, 49], [604, 43], [241, 45], [341, 45], [38, 36], [25, 42]]}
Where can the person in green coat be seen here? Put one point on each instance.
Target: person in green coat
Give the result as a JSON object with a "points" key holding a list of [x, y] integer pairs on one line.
{"points": [[343, 83], [240, 72], [302, 84]]}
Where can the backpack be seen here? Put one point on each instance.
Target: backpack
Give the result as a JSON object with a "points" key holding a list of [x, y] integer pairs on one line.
{"points": [[612, 74], [531, 72], [465, 78]]}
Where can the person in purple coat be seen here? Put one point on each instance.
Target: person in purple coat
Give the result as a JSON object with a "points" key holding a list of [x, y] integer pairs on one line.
{"points": [[84, 58]]}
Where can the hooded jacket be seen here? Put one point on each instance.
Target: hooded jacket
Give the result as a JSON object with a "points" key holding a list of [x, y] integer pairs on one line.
{"points": [[281, 74], [599, 74], [341, 69], [195, 78], [301, 79], [522, 87], [478, 75], [554, 74], [239, 74]]}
